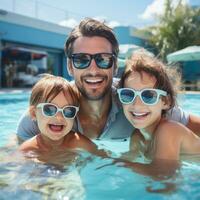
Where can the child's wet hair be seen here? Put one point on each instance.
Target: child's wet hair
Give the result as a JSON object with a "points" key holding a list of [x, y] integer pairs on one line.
{"points": [[48, 87], [167, 78]]}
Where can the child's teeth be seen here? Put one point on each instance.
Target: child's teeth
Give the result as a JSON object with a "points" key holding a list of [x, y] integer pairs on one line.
{"points": [[139, 114]]}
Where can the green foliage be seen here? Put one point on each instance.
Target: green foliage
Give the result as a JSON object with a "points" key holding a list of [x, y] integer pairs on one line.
{"points": [[178, 28]]}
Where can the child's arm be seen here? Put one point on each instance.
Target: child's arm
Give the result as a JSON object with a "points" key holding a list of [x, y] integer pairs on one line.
{"points": [[85, 143], [28, 145], [134, 147], [194, 124], [170, 140], [173, 139], [190, 142], [157, 169]]}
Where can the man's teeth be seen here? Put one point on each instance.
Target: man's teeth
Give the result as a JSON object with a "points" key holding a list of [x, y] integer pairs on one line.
{"points": [[94, 81]]}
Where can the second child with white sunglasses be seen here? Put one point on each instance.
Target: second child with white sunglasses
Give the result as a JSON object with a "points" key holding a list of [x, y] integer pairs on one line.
{"points": [[147, 92], [54, 104]]}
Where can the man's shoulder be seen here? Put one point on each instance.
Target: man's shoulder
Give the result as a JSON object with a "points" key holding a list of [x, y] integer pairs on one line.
{"points": [[26, 128], [178, 114]]}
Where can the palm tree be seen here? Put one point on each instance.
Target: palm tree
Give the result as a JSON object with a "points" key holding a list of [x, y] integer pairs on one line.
{"points": [[178, 28]]}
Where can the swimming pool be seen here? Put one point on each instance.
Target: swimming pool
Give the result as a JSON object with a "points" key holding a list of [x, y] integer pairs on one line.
{"points": [[86, 178]]}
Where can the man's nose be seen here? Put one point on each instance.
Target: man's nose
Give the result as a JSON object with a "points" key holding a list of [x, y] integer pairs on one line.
{"points": [[93, 66]]}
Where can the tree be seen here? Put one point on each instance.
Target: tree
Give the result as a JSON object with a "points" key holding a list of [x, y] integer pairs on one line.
{"points": [[178, 28]]}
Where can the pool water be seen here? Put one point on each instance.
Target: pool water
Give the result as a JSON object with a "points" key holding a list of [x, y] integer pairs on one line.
{"points": [[88, 177], [12, 106]]}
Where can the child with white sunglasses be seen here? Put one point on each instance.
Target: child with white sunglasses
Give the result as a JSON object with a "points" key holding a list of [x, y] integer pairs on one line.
{"points": [[54, 104], [147, 92]]}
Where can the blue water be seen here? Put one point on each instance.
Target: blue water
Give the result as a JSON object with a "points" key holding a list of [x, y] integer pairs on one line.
{"points": [[12, 106], [89, 177]]}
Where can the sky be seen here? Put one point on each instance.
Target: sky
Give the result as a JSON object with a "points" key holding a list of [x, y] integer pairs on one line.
{"points": [[136, 13]]}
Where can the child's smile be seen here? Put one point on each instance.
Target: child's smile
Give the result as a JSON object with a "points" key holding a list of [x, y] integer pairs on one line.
{"points": [[141, 115], [55, 127]]}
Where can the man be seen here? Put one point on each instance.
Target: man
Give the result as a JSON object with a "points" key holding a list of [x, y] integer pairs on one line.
{"points": [[92, 50]]}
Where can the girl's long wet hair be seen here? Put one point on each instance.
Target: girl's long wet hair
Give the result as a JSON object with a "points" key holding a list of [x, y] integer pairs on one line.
{"points": [[167, 78]]}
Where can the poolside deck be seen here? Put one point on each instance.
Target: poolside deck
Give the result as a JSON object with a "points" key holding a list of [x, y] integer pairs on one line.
{"points": [[14, 90]]}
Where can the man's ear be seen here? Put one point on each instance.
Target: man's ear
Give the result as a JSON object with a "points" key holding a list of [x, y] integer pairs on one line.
{"points": [[32, 112], [69, 67]]}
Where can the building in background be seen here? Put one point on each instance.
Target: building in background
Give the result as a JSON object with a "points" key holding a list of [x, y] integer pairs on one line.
{"points": [[29, 47]]}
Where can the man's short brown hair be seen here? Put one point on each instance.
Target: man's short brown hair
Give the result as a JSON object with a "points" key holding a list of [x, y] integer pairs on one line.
{"points": [[89, 28]]}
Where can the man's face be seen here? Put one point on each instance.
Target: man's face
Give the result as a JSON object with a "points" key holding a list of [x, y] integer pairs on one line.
{"points": [[94, 83]]}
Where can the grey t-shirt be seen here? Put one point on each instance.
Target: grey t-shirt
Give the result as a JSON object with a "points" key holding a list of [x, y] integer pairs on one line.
{"points": [[117, 126]]}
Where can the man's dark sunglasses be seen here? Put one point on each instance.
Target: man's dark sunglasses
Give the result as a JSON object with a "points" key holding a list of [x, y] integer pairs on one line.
{"points": [[102, 60]]}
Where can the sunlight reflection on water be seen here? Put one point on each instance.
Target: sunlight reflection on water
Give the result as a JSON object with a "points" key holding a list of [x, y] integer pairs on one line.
{"points": [[89, 177]]}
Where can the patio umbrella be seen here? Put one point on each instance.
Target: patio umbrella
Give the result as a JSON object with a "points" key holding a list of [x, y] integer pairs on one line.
{"points": [[190, 53]]}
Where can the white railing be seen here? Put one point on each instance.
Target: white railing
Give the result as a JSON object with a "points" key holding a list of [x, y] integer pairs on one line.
{"points": [[39, 10]]}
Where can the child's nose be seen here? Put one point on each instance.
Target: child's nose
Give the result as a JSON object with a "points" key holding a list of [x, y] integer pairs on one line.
{"points": [[137, 101], [59, 115]]}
